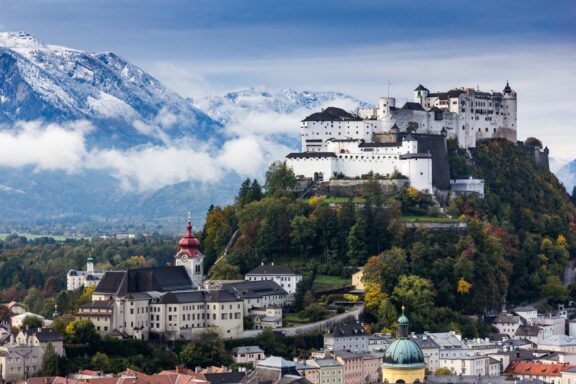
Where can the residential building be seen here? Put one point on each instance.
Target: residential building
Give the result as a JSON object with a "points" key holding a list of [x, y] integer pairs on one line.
{"points": [[471, 365], [378, 343], [529, 370], [266, 317], [357, 280], [568, 376], [275, 370], [533, 333], [329, 371], [258, 294], [430, 349], [22, 355], [558, 343], [347, 337], [16, 321], [353, 367], [89, 278], [507, 324], [248, 355], [282, 275], [15, 307], [528, 313]]}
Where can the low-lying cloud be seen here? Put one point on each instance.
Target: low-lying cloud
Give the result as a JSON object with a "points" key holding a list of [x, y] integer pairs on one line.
{"points": [[53, 147]]}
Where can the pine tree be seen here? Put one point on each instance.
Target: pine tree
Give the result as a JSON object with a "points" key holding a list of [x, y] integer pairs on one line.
{"points": [[50, 361], [255, 191]]}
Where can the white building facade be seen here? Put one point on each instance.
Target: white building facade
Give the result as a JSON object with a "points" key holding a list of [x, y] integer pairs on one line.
{"points": [[282, 275]]}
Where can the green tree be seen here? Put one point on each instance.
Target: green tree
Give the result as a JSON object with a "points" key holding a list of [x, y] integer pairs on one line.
{"points": [[50, 361], [280, 180], [315, 312], [81, 332], [60, 323], [100, 362], [223, 270], [443, 372], [387, 316], [208, 350], [302, 235], [32, 322], [554, 290], [272, 343], [417, 295]]}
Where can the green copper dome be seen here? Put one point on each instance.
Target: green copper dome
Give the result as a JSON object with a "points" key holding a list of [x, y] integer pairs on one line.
{"points": [[403, 353], [403, 320]]}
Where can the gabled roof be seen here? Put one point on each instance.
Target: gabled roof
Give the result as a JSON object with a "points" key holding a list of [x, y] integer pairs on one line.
{"points": [[413, 106], [309, 155], [161, 279], [272, 269], [249, 349], [224, 377], [536, 369], [528, 330], [332, 114], [421, 88], [254, 289], [44, 335], [347, 330]]}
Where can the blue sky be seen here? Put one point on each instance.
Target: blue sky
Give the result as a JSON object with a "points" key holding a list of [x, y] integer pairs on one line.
{"points": [[203, 47]]}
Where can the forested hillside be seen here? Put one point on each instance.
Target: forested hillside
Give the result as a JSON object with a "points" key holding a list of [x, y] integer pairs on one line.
{"points": [[520, 238]]}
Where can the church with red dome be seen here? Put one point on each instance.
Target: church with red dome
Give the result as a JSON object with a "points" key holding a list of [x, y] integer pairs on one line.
{"points": [[190, 257]]}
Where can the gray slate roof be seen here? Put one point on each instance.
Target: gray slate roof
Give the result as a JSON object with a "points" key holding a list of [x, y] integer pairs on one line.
{"points": [[347, 330], [273, 269], [254, 289], [161, 279]]}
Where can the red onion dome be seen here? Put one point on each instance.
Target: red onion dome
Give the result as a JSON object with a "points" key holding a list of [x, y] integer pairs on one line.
{"points": [[189, 241]]}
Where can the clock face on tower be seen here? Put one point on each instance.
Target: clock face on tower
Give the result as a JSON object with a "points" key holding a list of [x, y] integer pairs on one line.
{"points": [[183, 257]]}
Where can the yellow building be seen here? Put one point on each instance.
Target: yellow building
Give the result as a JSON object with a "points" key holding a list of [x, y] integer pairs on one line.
{"points": [[403, 359], [357, 280]]}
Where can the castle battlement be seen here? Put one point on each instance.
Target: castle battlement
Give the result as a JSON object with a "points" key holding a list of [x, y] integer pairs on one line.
{"points": [[379, 140]]}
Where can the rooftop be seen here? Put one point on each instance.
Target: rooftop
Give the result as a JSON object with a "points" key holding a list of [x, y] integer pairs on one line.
{"points": [[273, 269]]}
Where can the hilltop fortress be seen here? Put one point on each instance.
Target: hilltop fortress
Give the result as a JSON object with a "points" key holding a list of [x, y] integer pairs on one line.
{"points": [[410, 140]]}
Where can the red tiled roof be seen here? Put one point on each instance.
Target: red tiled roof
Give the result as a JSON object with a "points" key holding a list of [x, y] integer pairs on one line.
{"points": [[536, 368]]}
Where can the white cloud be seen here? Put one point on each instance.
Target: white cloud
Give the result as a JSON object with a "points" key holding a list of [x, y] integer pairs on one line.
{"points": [[50, 147], [142, 168]]}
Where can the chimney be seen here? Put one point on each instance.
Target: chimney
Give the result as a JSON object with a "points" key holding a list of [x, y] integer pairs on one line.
{"points": [[197, 369]]}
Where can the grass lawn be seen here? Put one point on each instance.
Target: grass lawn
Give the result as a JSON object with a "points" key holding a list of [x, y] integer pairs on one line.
{"points": [[428, 219], [330, 280], [30, 236], [293, 319]]}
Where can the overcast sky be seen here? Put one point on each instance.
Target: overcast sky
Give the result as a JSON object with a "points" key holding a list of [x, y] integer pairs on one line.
{"points": [[203, 47]]}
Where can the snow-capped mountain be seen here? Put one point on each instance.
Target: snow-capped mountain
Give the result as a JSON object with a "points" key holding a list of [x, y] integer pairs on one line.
{"points": [[234, 105], [145, 155], [567, 175], [54, 83]]}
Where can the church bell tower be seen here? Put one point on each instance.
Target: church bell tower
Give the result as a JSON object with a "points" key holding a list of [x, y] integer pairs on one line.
{"points": [[190, 257]]}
